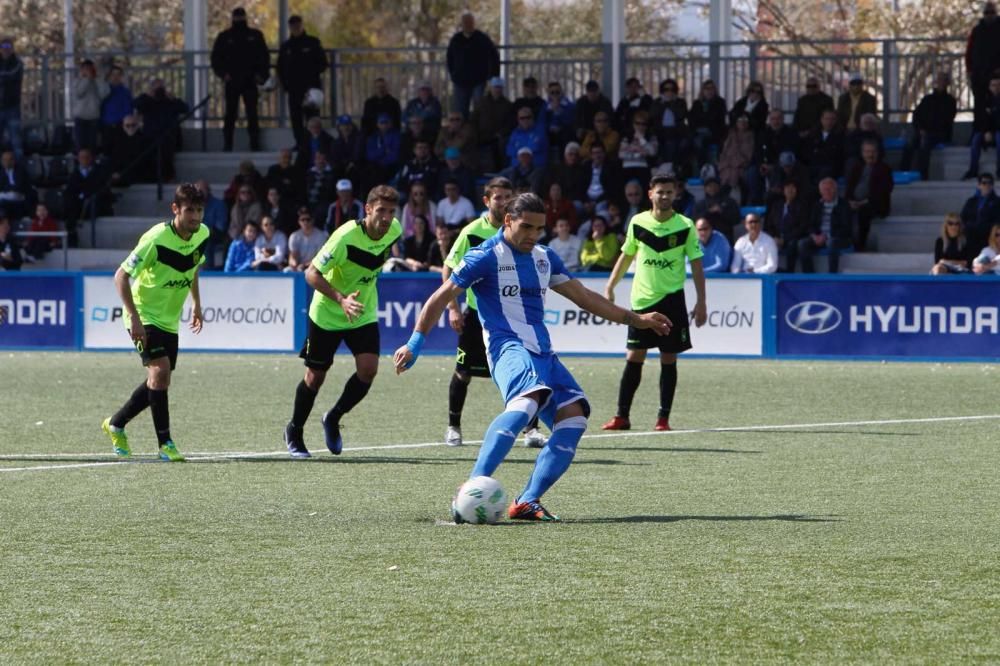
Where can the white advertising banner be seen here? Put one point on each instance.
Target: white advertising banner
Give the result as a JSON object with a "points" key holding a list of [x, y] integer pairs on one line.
{"points": [[735, 320], [239, 313]]}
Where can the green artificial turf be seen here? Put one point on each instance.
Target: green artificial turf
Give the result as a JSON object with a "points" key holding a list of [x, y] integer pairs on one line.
{"points": [[817, 542]]}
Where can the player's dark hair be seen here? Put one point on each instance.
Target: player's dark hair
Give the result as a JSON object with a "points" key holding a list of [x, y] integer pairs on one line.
{"points": [[383, 193], [662, 180], [498, 183], [527, 202], [188, 194]]}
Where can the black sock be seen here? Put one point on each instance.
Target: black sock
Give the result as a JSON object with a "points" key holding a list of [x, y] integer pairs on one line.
{"points": [[668, 384], [629, 384], [304, 399], [160, 408], [138, 401], [355, 391], [457, 391]]}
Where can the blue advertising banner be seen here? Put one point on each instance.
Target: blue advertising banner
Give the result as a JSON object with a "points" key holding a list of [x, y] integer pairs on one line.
{"points": [[38, 311], [400, 297], [889, 318]]}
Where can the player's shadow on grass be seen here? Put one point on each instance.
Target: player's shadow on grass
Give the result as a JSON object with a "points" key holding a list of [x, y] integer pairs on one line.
{"points": [[576, 461], [662, 449], [326, 459], [791, 518], [853, 433]]}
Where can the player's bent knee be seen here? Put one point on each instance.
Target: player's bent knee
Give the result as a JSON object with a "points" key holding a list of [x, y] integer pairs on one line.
{"points": [[158, 375], [572, 422], [571, 411], [366, 368], [525, 404], [314, 378], [635, 355]]}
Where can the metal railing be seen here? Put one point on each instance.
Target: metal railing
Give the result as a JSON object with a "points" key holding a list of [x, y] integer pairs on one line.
{"points": [[897, 71]]}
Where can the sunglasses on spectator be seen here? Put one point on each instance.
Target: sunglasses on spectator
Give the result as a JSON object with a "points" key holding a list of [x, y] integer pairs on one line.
{"points": [[952, 224], [305, 218], [668, 89], [989, 12], [753, 221], [811, 86], [640, 123], [525, 117]]}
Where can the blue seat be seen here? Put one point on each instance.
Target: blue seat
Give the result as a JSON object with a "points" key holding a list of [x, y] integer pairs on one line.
{"points": [[905, 177], [694, 182], [894, 143], [746, 210]]}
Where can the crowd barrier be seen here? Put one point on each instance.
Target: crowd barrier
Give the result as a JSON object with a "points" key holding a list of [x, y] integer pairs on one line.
{"points": [[775, 316]]}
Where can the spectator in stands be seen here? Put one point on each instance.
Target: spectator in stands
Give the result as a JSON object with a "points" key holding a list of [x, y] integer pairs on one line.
{"points": [[869, 131], [126, 144], [600, 251], [985, 129], [566, 244], [707, 123], [320, 181], [417, 203], [810, 108], [634, 100], [635, 201], [241, 59], [305, 243], [454, 211], [714, 246], [571, 174], [86, 193], [216, 218], [788, 222], [241, 254], [10, 253], [737, 153], [378, 105], [980, 212], [855, 103], [869, 191], [17, 196], [491, 124], [587, 108], [668, 118], [43, 221], [952, 252], [11, 80], [381, 153], [287, 178], [988, 260], [414, 134], [453, 169], [246, 210], [443, 239], [472, 60], [456, 134], [271, 248], [528, 135], [599, 180], [982, 58], [753, 106], [683, 199], [531, 99], [316, 140], [638, 150], [721, 210], [301, 64], [829, 227], [88, 94], [425, 106], [525, 175], [348, 150], [345, 208], [776, 138], [160, 113], [616, 223], [422, 167], [755, 251], [246, 175], [417, 246], [789, 170], [603, 134], [281, 210], [557, 207], [933, 120], [823, 148], [560, 112], [115, 106]]}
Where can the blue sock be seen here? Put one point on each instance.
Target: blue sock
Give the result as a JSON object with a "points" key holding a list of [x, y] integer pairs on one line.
{"points": [[501, 434], [555, 458]]}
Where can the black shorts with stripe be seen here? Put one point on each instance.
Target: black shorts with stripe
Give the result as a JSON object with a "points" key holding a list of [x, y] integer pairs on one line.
{"points": [[677, 340], [470, 357], [159, 344], [321, 344]]}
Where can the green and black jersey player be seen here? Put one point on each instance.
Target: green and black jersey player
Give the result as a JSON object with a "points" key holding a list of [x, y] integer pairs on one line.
{"points": [[470, 358], [344, 308], [163, 269], [661, 239]]}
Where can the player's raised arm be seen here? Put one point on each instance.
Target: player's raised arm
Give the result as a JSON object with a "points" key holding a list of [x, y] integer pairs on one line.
{"points": [[407, 355], [593, 302]]}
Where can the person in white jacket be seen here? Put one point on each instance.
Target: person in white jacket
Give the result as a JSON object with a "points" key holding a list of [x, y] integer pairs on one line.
{"points": [[88, 94], [271, 247], [755, 252]]}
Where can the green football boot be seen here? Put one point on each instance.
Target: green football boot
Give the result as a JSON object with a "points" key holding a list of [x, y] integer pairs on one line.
{"points": [[169, 452], [119, 439]]}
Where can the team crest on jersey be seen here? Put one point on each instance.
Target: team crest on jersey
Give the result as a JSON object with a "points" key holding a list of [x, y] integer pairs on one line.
{"points": [[324, 258], [672, 241], [195, 257], [542, 266], [133, 260]]}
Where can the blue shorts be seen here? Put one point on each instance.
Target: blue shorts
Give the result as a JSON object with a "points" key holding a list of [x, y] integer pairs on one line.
{"points": [[519, 372]]}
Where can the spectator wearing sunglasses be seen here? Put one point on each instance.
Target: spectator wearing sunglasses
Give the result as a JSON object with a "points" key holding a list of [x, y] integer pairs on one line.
{"points": [[810, 107], [753, 105]]}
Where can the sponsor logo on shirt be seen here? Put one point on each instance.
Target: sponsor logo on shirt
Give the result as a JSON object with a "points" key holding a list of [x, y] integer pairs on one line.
{"points": [[666, 264], [506, 269], [182, 283], [513, 291]]}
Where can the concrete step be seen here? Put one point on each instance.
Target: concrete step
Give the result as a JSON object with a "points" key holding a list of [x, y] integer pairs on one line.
{"points": [[79, 259], [219, 167], [119, 232], [909, 263], [906, 233], [140, 200], [271, 139]]}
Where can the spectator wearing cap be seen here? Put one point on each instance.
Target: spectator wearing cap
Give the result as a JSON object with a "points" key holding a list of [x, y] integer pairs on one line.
{"points": [[589, 105], [531, 99], [241, 59], [707, 123], [88, 94], [635, 99], [11, 79], [454, 211], [720, 209], [869, 191], [560, 112], [491, 124], [528, 134], [287, 177], [348, 150], [776, 138], [933, 121], [422, 167], [457, 134], [753, 106], [381, 103], [316, 140], [381, 152], [453, 169], [301, 65], [427, 106], [525, 175], [855, 103], [472, 60], [810, 107], [345, 208]]}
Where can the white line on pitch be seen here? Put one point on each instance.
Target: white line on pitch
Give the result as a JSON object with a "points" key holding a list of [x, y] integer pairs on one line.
{"points": [[207, 456]]}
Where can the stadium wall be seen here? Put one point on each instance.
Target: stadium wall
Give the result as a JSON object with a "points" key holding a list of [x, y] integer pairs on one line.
{"points": [[775, 316]]}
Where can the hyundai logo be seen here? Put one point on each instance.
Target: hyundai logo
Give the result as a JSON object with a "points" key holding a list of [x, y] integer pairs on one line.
{"points": [[813, 317]]}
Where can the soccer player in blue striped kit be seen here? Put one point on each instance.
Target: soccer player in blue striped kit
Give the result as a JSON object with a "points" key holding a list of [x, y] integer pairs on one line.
{"points": [[510, 274]]}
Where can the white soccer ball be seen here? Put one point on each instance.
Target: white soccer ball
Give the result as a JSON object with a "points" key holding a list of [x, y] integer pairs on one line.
{"points": [[481, 500]]}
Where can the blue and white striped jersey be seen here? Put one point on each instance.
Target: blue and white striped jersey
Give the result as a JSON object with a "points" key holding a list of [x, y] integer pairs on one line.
{"points": [[510, 289]]}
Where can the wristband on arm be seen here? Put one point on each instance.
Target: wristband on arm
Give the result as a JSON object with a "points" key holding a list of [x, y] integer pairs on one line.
{"points": [[415, 344]]}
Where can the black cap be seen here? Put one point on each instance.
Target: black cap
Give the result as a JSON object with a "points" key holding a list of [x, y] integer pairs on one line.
{"points": [[239, 12], [593, 85], [294, 18]]}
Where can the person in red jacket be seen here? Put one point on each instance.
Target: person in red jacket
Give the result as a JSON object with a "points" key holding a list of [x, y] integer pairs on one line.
{"points": [[869, 191]]}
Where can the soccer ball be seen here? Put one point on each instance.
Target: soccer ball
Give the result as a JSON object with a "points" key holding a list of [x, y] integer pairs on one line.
{"points": [[480, 501]]}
